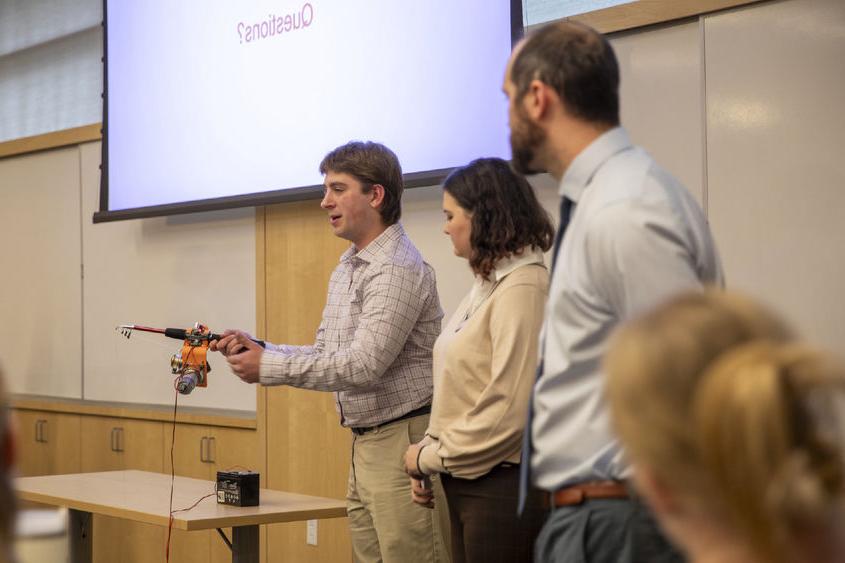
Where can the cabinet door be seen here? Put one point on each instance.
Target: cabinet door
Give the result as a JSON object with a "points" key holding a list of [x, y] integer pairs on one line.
{"points": [[234, 449], [32, 453], [100, 444], [49, 443], [112, 444]]}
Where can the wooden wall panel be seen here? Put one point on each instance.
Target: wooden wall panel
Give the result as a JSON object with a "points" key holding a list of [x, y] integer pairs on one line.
{"points": [[307, 450]]}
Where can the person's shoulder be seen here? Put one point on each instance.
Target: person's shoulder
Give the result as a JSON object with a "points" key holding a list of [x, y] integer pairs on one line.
{"points": [[528, 274], [525, 283], [403, 254]]}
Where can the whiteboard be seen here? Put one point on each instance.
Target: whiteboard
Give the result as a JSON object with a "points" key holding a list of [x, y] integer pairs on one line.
{"points": [[66, 283], [165, 272], [40, 284]]}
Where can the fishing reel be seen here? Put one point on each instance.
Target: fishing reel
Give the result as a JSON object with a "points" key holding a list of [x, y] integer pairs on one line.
{"points": [[189, 364]]}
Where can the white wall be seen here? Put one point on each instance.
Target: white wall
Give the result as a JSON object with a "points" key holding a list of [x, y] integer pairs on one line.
{"points": [[741, 105], [775, 146], [57, 334]]}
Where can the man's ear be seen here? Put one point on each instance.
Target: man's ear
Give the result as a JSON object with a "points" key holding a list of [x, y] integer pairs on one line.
{"points": [[377, 196], [538, 100]]}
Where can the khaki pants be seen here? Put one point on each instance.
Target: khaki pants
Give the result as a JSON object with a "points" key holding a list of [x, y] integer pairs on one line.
{"points": [[385, 524]]}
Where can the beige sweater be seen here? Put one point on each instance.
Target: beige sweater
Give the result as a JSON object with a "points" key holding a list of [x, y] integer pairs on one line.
{"points": [[484, 369]]}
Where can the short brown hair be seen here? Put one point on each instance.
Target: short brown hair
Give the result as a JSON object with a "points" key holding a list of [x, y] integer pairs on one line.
{"points": [[506, 216], [578, 63], [370, 163]]}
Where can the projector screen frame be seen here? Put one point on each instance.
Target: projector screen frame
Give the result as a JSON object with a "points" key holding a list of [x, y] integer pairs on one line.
{"points": [[256, 199]]}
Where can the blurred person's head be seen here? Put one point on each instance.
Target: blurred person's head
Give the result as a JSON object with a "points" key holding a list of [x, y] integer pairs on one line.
{"points": [[7, 459], [562, 82], [734, 429], [363, 190], [491, 212]]}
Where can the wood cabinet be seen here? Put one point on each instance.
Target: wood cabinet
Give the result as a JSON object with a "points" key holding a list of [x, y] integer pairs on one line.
{"points": [[48, 443], [80, 436], [109, 444]]}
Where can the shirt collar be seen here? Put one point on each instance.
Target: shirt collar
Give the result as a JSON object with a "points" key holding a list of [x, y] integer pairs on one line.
{"points": [[584, 166], [508, 264], [377, 248]]}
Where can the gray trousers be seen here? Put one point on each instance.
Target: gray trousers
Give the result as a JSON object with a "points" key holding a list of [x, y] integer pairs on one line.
{"points": [[603, 531]]}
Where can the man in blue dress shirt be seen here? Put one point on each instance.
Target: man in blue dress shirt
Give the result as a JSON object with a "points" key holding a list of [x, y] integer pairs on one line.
{"points": [[633, 237]]}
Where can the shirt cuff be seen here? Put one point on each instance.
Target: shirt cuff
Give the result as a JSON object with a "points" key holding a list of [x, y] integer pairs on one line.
{"points": [[429, 462], [271, 370]]}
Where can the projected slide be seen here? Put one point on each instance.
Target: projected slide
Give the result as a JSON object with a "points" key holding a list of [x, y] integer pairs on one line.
{"points": [[541, 11], [214, 98]]}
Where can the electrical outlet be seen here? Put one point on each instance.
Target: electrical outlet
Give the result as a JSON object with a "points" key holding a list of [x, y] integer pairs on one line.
{"points": [[311, 532]]}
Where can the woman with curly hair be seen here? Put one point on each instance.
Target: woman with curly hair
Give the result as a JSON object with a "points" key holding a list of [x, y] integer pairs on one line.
{"points": [[485, 362]]}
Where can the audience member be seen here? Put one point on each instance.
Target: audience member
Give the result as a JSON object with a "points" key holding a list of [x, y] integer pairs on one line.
{"points": [[737, 434]]}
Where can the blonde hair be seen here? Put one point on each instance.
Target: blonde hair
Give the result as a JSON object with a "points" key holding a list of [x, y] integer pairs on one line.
{"points": [[712, 393]]}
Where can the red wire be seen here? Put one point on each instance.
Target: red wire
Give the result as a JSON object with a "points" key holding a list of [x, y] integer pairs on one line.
{"points": [[172, 480], [173, 470]]}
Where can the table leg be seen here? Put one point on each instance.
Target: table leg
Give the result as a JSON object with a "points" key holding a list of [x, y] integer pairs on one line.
{"points": [[245, 544], [81, 532]]}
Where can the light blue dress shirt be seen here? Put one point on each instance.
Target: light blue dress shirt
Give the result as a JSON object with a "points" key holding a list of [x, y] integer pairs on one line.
{"points": [[636, 237]]}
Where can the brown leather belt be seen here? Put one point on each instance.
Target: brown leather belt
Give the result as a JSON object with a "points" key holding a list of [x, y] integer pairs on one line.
{"points": [[576, 494]]}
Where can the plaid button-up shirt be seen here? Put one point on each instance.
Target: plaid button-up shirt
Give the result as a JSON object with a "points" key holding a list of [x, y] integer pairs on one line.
{"points": [[373, 346]]}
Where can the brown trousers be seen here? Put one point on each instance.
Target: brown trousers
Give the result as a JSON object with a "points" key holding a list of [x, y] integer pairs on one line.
{"points": [[485, 526]]}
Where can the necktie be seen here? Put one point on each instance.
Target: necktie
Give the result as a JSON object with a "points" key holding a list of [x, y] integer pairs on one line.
{"points": [[566, 206]]}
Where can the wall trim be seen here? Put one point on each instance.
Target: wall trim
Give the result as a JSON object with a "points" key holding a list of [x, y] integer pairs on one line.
{"points": [[63, 138]]}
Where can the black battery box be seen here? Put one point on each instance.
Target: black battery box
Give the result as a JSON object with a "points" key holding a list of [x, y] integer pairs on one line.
{"points": [[238, 488]]}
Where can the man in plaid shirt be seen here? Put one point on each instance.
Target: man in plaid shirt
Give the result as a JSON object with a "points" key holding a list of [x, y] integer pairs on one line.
{"points": [[372, 349]]}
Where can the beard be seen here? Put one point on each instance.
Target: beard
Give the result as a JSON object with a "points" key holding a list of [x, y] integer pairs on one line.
{"points": [[526, 138]]}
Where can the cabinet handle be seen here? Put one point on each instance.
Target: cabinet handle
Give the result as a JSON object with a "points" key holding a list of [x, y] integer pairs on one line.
{"points": [[116, 439], [202, 449], [111, 439], [39, 431], [212, 450]]}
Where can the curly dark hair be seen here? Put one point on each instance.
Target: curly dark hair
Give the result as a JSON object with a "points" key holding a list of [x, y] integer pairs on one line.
{"points": [[506, 215]]}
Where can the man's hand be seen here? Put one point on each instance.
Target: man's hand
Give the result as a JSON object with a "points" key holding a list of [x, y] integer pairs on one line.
{"points": [[229, 343], [411, 456], [243, 355], [422, 493]]}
